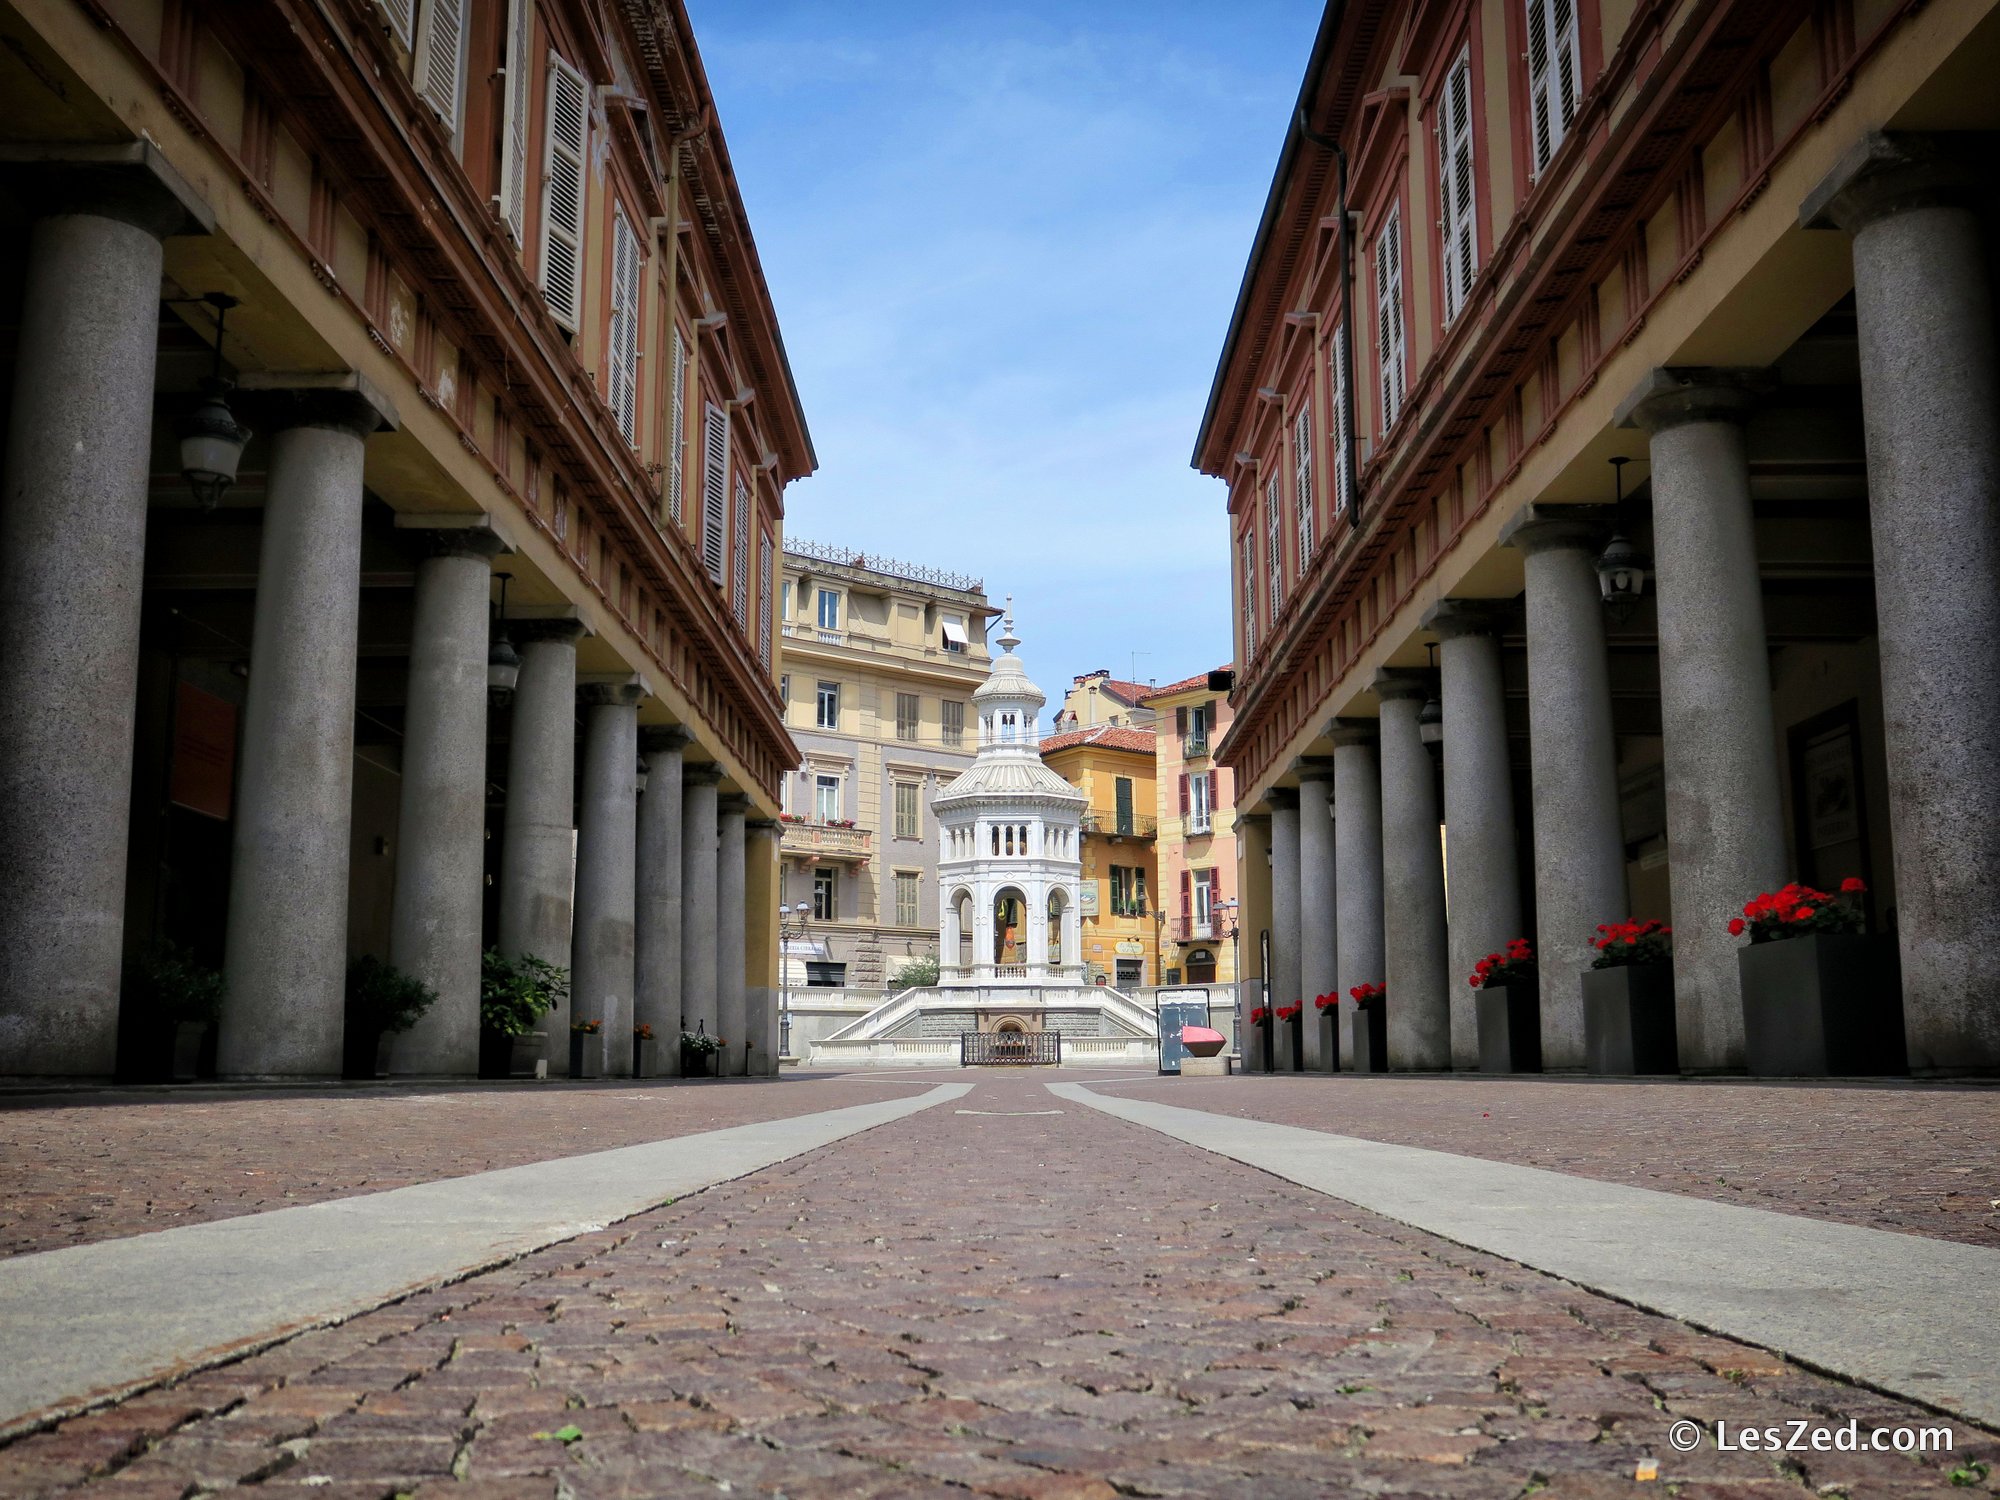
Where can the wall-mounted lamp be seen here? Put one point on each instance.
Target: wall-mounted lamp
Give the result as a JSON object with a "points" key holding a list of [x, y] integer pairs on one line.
{"points": [[1430, 718], [503, 663], [1621, 567], [212, 440]]}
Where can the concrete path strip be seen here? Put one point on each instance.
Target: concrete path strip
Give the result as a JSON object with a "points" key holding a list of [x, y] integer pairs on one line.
{"points": [[82, 1326], [1900, 1312]]}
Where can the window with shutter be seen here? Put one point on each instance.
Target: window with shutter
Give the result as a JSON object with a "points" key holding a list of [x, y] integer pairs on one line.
{"points": [[622, 353], [677, 434], [567, 138], [742, 553], [1184, 794], [764, 563], [441, 58], [715, 492], [400, 16], [1457, 226], [1389, 342], [1342, 438], [514, 119], [1555, 76], [1274, 538], [1181, 722], [1250, 593], [1302, 481]]}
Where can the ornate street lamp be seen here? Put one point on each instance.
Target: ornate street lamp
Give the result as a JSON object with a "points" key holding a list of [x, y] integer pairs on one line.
{"points": [[1430, 718], [503, 662], [1621, 567], [212, 440]]}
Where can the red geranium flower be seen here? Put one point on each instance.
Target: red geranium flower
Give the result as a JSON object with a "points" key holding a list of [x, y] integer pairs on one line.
{"points": [[1853, 886], [1736, 926]]}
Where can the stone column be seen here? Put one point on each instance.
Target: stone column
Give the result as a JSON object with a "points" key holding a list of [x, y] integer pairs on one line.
{"points": [[761, 896], [1481, 870], [1573, 760], [1284, 917], [286, 956], [437, 916], [1357, 858], [1924, 304], [601, 975], [657, 968], [1725, 827], [72, 559], [1412, 881], [1253, 919], [1318, 913], [732, 1018], [699, 869], [538, 856]]}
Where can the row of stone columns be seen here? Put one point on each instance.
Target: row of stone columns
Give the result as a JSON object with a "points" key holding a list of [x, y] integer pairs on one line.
{"points": [[1931, 393]]}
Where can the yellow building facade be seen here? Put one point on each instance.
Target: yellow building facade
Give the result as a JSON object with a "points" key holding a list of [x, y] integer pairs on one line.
{"points": [[1113, 767]]}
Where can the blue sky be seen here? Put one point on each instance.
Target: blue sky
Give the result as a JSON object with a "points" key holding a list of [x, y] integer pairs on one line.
{"points": [[1004, 241]]}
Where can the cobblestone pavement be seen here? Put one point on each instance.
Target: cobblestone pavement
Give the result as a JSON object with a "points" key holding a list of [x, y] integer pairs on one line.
{"points": [[1923, 1159], [126, 1163], [1006, 1297]]}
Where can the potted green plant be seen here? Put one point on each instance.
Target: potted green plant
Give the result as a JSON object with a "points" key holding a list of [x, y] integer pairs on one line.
{"points": [[180, 1001], [698, 1050], [586, 1053], [1509, 1010], [916, 973], [1628, 1000], [1821, 995], [514, 995], [645, 1052], [382, 1003], [1368, 1030]]}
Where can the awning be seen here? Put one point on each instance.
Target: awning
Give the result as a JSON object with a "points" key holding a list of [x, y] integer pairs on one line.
{"points": [[954, 631]]}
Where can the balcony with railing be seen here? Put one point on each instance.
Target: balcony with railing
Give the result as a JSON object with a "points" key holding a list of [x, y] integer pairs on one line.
{"points": [[1193, 930], [1121, 825], [1195, 746], [805, 840], [1199, 822]]}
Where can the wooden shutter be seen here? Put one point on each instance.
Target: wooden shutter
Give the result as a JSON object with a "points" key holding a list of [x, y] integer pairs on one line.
{"points": [[677, 435], [1187, 897], [1180, 721], [514, 120], [742, 554], [1250, 591], [765, 553], [622, 353], [1186, 801], [1211, 792], [441, 58], [1555, 76], [401, 19], [1342, 438], [1274, 538], [1302, 479], [1389, 316], [715, 492], [568, 138], [1457, 224]]}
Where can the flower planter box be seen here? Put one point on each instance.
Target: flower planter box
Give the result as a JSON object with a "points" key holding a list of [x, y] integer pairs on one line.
{"points": [[645, 1057], [1628, 1020], [1368, 1037], [586, 1054], [696, 1064], [366, 1054], [1828, 1003], [526, 1053], [1329, 1046], [1261, 1040], [1294, 1044], [1510, 1028], [190, 1041]]}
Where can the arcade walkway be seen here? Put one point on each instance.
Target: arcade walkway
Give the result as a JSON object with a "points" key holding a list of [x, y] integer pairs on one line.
{"points": [[959, 1282]]}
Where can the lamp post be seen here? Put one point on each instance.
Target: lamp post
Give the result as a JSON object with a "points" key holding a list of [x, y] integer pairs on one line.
{"points": [[1230, 927], [792, 923]]}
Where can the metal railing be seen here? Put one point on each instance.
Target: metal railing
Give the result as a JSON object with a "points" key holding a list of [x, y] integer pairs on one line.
{"points": [[1122, 825], [1200, 822], [819, 838], [1195, 746], [1188, 930], [871, 562], [1000, 1049]]}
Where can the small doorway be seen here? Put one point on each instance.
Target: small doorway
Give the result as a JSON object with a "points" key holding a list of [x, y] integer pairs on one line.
{"points": [[1201, 966]]}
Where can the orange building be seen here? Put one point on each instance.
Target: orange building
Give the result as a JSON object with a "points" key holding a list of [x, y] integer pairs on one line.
{"points": [[1196, 849], [1114, 767]]}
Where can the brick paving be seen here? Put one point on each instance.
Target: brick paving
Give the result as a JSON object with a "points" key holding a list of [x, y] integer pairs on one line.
{"points": [[1019, 1305], [1921, 1159], [126, 1163]]}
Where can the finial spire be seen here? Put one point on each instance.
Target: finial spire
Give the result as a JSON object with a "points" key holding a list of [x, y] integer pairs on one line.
{"points": [[1008, 640]]}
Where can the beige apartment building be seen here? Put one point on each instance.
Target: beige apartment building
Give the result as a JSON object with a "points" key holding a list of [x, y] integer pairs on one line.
{"points": [[879, 662]]}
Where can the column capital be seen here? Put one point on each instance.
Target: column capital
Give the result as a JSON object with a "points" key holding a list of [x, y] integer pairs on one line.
{"points": [[1314, 768], [133, 183], [542, 629], [345, 400], [1282, 799], [454, 537], [732, 805], [701, 773], [1451, 618], [1672, 396], [1354, 731], [1552, 528], [661, 739], [1392, 683], [622, 692], [1887, 172]]}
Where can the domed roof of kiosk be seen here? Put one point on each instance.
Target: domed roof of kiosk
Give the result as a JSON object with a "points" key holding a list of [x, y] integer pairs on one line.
{"points": [[1008, 679], [1008, 770]]}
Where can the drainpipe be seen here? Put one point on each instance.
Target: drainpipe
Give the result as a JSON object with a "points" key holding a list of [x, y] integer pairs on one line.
{"points": [[1348, 476]]}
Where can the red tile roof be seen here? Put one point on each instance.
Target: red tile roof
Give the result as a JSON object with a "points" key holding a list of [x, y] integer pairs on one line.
{"points": [[1185, 685], [1111, 736], [1128, 693]]}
